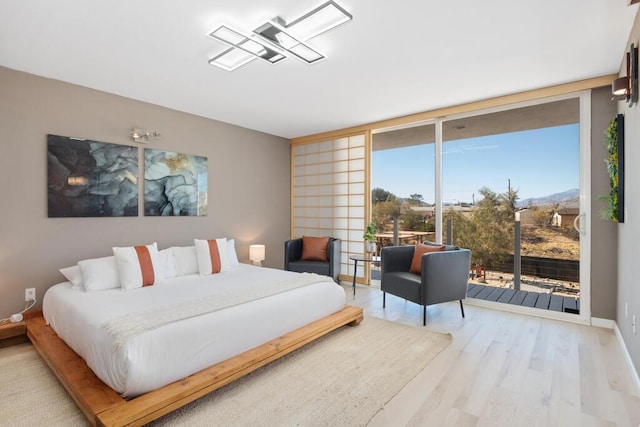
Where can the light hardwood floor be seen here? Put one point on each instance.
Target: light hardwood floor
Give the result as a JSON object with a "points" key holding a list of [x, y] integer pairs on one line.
{"points": [[506, 369]]}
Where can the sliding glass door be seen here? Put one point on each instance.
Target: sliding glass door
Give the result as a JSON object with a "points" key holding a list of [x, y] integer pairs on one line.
{"points": [[511, 193], [511, 184]]}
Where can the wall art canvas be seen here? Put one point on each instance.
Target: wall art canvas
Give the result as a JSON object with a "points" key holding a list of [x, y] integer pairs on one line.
{"points": [[91, 178], [175, 184]]}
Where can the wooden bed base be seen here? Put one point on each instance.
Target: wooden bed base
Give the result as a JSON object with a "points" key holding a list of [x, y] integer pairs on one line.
{"points": [[104, 407]]}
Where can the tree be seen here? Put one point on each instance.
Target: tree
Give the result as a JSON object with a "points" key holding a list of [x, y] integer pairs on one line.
{"points": [[386, 211], [488, 229], [541, 217], [510, 198], [416, 199], [412, 220], [379, 195]]}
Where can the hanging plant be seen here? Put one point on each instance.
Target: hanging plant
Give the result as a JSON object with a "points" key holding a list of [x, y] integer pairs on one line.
{"points": [[610, 210]]}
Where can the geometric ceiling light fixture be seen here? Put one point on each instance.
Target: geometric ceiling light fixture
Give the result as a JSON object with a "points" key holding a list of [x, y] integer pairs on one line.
{"points": [[250, 47], [231, 59], [320, 20], [275, 32], [284, 38]]}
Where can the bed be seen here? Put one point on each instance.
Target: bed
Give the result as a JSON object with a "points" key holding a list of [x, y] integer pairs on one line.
{"points": [[135, 377]]}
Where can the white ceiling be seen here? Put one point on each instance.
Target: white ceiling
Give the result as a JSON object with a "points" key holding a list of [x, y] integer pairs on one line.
{"points": [[394, 58]]}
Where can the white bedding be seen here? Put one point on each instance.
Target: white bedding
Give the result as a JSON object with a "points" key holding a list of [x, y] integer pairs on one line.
{"points": [[168, 353]]}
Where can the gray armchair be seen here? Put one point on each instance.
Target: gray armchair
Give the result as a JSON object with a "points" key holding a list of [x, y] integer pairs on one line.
{"points": [[331, 268], [444, 276]]}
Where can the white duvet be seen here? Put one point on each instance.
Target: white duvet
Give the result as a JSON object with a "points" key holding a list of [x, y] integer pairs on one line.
{"points": [[159, 356]]}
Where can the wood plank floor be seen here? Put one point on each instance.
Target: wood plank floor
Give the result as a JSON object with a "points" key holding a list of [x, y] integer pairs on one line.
{"points": [[506, 369], [529, 299]]}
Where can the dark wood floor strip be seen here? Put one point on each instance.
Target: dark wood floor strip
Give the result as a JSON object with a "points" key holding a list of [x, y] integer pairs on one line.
{"points": [[495, 295], [529, 299], [507, 295], [543, 301], [485, 292], [556, 303], [518, 298], [569, 303], [473, 290]]}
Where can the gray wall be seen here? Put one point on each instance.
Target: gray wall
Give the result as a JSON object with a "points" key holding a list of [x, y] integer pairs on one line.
{"points": [[248, 182], [604, 237], [629, 231]]}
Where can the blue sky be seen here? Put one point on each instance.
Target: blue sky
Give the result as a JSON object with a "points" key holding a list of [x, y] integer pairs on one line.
{"points": [[539, 162]]}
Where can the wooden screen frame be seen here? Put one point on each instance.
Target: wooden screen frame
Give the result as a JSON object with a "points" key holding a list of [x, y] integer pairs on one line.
{"points": [[104, 407]]}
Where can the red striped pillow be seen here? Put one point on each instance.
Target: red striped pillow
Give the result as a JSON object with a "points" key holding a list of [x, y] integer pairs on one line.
{"points": [[416, 261], [137, 266], [212, 256]]}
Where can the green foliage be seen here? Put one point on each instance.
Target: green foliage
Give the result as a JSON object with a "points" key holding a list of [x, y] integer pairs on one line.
{"points": [[379, 195], [541, 217], [386, 211], [413, 221], [610, 210], [416, 199], [370, 232], [488, 229]]}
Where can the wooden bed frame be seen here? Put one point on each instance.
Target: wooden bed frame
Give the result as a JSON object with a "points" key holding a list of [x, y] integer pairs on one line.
{"points": [[104, 407]]}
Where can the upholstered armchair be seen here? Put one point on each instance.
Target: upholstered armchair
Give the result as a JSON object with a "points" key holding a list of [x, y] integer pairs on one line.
{"points": [[310, 258], [442, 275]]}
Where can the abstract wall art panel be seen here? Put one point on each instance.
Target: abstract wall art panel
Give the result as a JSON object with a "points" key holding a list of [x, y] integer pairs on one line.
{"points": [[175, 184], [90, 178]]}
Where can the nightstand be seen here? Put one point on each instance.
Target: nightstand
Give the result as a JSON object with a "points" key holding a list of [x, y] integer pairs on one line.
{"points": [[13, 333]]}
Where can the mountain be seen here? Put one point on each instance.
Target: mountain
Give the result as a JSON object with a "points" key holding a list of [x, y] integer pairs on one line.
{"points": [[567, 199]]}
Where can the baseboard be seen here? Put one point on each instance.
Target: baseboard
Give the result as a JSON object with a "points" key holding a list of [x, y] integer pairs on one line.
{"points": [[603, 323], [635, 379]]}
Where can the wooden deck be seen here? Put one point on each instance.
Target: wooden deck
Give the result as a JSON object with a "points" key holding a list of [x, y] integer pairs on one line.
{"points": [[524, 298]]}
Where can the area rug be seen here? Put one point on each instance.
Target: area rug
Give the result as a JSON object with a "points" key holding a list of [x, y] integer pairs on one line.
{"points": [[344, 378]]}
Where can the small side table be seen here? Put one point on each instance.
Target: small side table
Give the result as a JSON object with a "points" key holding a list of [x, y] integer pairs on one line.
{"points": [[362, 258], [13, 333]]}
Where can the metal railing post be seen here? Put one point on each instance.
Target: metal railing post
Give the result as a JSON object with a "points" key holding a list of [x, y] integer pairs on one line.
{"points": [[516, 256], [396, 233]]}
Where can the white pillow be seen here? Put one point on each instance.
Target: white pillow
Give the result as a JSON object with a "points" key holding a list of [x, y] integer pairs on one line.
{"points": [[138, 266], [73, 275], [167, 263], [212, 261], [186, 260], [231, 252], [99, 273]]}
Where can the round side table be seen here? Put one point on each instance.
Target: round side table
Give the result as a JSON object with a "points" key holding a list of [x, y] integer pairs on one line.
{"points": [[364, 259]]}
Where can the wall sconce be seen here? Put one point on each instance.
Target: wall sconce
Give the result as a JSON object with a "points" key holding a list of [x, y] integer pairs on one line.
{"points": [[142, 135], [626, 88], [256, 254]]}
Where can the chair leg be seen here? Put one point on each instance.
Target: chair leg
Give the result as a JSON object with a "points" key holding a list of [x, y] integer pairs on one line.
{"points": [[384, 299], [461, 308], [424, 315]]}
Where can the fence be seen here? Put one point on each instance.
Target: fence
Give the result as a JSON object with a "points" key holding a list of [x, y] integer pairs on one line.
{"points": [[550, 268]]}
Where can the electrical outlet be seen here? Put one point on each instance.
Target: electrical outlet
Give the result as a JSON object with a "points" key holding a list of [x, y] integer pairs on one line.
{"points": [[30, 294]]}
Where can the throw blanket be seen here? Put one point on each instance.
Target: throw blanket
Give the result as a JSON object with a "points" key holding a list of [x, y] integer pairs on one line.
{"points": [[129, 325]]}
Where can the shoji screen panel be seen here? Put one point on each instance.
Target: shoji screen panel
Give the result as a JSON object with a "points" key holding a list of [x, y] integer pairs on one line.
{"points": [[328, 193]]}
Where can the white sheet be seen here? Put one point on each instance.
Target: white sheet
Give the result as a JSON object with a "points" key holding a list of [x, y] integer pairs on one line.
{"points": [[161, 356]]}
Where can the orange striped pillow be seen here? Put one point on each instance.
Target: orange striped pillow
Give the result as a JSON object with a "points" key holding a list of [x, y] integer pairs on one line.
{"points": [[416, 261], [137, 266], [212, 256]]}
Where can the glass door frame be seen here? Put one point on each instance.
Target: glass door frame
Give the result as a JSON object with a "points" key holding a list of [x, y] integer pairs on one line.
{"points": [[584, 98]]}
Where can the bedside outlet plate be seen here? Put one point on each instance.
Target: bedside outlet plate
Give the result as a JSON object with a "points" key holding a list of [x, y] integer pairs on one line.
{"points": [[30, 294]]}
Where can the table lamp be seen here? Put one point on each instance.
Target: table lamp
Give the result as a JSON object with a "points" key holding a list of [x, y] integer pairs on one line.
{"points": [[256, 254]]}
